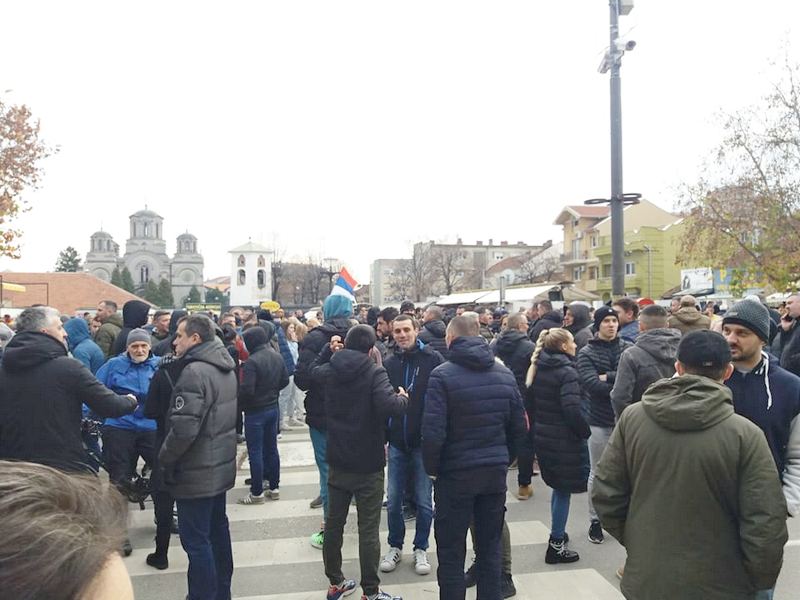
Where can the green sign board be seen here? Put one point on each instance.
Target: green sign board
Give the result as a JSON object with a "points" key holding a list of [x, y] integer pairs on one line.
{"points": [[199, 307]]}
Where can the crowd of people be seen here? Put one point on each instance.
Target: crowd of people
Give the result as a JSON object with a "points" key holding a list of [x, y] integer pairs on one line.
{"points": [[681, 423]]}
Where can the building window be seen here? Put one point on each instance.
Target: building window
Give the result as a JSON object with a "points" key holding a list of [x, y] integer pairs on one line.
{"points": [[262, 278], [576, 274], [261, 262], [498, 257], [630, 268], [146, 230], [576, 248], [144, 274], [240, 262], [242, 277], [592, 272], [593, 240], [606, 270]]}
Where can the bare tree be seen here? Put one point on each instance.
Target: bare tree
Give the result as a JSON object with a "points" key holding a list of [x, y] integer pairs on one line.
{"points": [[447, 266], [539, 267]]}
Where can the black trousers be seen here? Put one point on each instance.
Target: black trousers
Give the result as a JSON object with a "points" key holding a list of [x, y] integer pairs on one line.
{"points": [[163, 505], [478, 494], [121, 447]]}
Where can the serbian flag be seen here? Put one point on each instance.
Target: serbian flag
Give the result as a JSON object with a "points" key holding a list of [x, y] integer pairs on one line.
{"points": [[345, 285]]}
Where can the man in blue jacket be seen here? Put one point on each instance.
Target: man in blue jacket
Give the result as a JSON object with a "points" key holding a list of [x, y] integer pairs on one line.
{"points": [[472, 426], [82, 346], [409, 367]]}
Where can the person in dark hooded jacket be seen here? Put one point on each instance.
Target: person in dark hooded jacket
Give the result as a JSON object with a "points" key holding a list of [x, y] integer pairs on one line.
{"points": [[515, 349], [554, 400], [472, 428], [650, 359], [264, 374], [359, 398], [579, 324], [134, 316], [165, 346], [41, 391], [81, 344], [337, 312], [433, 330]]}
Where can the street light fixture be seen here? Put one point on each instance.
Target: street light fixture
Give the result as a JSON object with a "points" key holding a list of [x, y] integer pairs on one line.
{"points": [[611, 63]]}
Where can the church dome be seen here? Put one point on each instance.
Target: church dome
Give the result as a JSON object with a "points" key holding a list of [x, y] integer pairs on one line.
{"points": [[101, 234], [149, 214], [187, 236]]}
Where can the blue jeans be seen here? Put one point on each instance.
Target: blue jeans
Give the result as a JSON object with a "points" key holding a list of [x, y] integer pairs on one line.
{"points": [[206, 538], [559, 513], [261, 433], [319, 439], [400, 462], [764, 595]]}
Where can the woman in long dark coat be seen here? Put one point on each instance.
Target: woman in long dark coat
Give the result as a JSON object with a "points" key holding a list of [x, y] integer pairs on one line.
{"points": [[553, 402]]}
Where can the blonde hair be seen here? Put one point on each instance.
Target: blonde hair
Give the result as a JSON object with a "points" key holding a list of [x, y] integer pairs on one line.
{"points": [[549, 339], [300, 331]]}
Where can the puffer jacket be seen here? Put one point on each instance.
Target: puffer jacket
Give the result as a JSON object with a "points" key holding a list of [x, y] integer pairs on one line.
{"points": [[581, 328], [164, 347], [473, 415], [310, 349], [514, 348], [560, 429], [650, 359], [410, 370], [108, 333], [41, 391], [198, 456], [81, 345], [433, 334], [683, 459], [770, 397], [689, 319], [123, 376], [599, 357], [550, 320], [358, 399], [134, 315]]}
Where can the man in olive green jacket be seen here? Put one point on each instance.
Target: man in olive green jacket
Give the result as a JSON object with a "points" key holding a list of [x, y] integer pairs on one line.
{"points": [[689, 487]]}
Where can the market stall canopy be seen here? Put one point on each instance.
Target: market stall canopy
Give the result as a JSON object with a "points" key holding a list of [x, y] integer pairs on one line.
{"points": [[517, 294], [461, 298]]}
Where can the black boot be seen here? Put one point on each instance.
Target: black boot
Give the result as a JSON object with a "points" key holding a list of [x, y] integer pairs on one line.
{"points": [[507, 588], [471, 576], [158, 560], [557, 552]]}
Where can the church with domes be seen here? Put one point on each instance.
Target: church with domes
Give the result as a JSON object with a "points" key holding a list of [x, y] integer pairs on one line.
{"points": [[146, 256]]}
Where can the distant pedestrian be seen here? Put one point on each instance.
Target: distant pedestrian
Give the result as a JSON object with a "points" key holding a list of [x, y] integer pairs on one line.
{"points": [[688, 317]]}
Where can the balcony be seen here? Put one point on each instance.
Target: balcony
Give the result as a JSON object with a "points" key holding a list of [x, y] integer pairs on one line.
{"points": [[575, 258]]}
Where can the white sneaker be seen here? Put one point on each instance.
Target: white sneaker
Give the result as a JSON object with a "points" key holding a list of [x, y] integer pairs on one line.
{"points": [[273, 494], [421, 564], [390, 561]]}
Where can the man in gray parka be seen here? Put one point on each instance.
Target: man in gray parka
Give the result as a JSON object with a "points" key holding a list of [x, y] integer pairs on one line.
{"points": [[650, 359]]}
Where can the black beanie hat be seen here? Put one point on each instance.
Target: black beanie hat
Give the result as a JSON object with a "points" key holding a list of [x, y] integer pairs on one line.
{"points": [[254, 338], [601, 313]]}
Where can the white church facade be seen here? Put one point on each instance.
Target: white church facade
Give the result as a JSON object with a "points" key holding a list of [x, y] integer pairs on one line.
{"points": [[146, 256]]}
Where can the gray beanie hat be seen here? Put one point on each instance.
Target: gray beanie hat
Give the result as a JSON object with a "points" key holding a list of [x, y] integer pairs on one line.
{"points": [[750, 314], [138, 335]]}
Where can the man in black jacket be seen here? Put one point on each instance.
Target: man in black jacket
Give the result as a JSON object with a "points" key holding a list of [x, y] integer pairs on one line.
{"points": [[472, 426], [515, 349], [337, 311], [597, 370], [264, 375], [548, 318], [359, 399], [198, 456], [433, 330], [409, 368], [41, 391]]}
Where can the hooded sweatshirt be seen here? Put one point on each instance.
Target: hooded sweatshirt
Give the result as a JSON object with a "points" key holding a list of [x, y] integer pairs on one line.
{"points": [[682, 458], [550, 320], [134, 315], [433, 334], [108, 333], [581, 328], [358, 400], [650, 359], [770, 397], [81, 345]]}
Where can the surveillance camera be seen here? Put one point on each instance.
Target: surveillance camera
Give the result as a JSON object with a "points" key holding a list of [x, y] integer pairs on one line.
{"points": [[625, 45]]}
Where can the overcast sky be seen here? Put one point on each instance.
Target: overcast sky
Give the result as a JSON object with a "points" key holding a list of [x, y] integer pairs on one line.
{"points": [[352, 129]]}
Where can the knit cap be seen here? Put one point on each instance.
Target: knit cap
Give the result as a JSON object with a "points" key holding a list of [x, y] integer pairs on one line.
{"points": [[750, 314], [138, 335], [601, 313]]}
